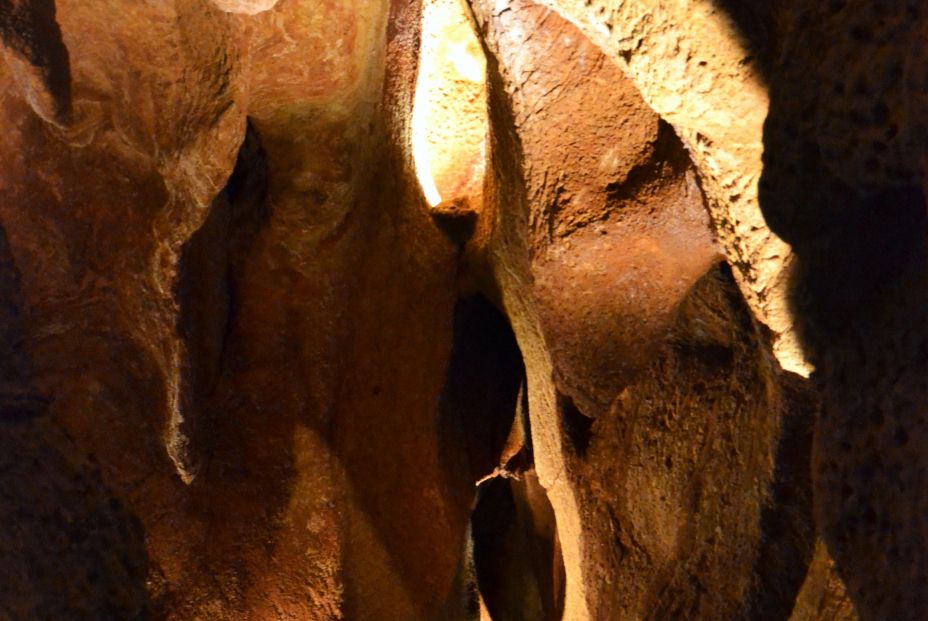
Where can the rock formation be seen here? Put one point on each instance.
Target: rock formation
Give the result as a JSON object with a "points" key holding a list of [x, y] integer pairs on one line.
{"points": [[463, 309]]}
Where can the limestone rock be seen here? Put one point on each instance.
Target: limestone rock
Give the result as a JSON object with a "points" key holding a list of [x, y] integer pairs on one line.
{"points": [[433, 309], [607, 266]]}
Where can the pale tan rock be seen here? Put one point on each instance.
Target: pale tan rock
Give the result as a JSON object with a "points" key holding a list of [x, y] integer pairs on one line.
{"points": [[247, 7], [449, 123], [823, 596]]}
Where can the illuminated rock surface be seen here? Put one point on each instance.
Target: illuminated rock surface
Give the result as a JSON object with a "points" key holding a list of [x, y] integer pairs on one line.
{"points": [[440, 310]]}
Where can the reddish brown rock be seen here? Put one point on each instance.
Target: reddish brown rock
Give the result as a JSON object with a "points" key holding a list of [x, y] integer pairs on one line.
{"points": [[246, 371], [70, 550], [223, 338], [673, 450]]}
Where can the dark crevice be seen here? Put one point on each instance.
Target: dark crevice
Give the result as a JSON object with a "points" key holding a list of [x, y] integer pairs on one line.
{"points": [[577, 427], [513, 558], [787, 523], [29, 29], [481, 393], [477, 412], [18, 400], [759, 23], [517, 556], [206, 283]]}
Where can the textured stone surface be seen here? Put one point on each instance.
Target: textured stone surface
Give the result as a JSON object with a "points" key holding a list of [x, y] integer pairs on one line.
{"points": [[204, 322], [694, 69], [823, 596], [449, 123], [37, 57], [246, 372], [674, 451], [69, 550]]}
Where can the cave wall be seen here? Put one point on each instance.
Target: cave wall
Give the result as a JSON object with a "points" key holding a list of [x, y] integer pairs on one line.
{"points": [[250, 372], [200, 242], [661, 488], [841, 179]]}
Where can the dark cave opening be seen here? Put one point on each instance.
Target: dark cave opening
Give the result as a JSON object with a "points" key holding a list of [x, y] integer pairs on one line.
{"points": [[517, 555], [205, 289]]}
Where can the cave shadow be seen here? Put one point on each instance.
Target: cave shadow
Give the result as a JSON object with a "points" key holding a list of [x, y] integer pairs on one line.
{"points": [[513, 554], [240, 441], [62, 524], [18, 399], [787, 542], [840, 186], [206, 289], [29, 28], [480, 397], [760, 25], [476, 411]]}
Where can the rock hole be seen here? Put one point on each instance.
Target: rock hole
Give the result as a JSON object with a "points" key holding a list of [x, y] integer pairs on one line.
{"points": [[576, 425], [511, 566], [205, 293], [480, 399]]}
